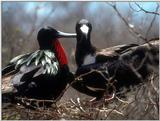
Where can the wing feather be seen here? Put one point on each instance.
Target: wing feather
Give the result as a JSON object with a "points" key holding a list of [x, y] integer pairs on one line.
{"points": [[45, 58]]}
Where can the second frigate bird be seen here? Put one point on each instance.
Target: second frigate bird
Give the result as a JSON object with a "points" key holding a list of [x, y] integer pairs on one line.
{"points": [[113, 68]]}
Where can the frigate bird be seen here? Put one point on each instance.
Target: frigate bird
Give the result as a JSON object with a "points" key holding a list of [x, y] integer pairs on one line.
{"points": [[110, 69], [42, 74]]}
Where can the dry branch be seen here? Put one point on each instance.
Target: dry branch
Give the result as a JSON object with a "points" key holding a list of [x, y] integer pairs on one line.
{"points": [[142, 9]]}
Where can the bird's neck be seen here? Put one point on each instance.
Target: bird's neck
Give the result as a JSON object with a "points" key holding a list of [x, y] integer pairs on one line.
{"points": [[60, 53], [82, 50]]}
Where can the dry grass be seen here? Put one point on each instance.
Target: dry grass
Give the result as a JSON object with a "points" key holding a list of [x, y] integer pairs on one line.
{"points": [[142, 102]]}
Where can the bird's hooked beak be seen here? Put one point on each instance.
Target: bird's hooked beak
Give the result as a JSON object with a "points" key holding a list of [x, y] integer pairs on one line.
{"points": [[67, 35], [85, 29]]}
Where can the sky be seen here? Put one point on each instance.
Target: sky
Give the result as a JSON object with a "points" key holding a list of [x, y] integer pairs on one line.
{"points": [[92, 6], [45, 7], [93, 10]]}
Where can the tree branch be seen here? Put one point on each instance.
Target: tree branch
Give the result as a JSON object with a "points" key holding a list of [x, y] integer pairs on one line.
{"points": [[151, 24], [130, 28], [142, 9]]}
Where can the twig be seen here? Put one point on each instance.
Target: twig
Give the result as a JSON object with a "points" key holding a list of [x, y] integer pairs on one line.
{"points": [[134, 70], [92, 71], [79, 103], [154, 87], [122, 101], [142, 62], [32, 99], [78, 106], [151, 24], [133, 8], [110, 98], [114, 109], [131, 29], [142, 9], [110, 111]]}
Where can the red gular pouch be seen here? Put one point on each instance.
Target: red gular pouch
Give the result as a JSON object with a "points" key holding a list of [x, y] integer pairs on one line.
{"points": [[61, 56]]}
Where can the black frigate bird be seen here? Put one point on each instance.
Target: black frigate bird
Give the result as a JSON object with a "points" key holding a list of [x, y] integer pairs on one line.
{"points": [[115, 64], [42, 74]]}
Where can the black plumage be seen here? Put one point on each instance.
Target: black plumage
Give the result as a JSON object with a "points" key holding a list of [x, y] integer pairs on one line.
{"points": [[42, 74], [122, 65]]}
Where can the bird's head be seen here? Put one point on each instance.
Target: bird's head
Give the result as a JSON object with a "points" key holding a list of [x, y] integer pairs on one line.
{"points": [[83, 30], [48, 35], [48, 40]]}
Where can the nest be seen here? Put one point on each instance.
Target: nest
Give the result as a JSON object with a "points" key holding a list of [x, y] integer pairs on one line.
{"points": [[141, 103]]}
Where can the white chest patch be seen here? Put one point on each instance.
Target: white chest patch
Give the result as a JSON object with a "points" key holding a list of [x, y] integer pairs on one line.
{"points": [[89, 59]]}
